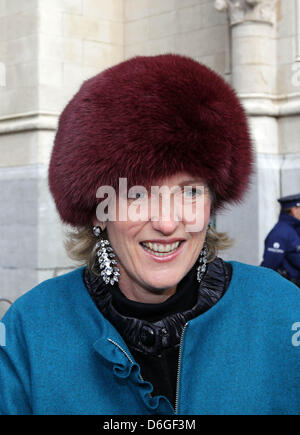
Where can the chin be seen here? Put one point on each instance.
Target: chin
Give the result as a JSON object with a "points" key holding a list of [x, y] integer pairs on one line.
{"points": [[161, 284]]}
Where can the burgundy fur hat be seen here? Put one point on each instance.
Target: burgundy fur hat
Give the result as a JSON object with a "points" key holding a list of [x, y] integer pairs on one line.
{"points": [[145, 119]]}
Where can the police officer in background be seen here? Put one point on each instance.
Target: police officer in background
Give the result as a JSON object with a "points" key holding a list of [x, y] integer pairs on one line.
{"points": [[282, 245]]}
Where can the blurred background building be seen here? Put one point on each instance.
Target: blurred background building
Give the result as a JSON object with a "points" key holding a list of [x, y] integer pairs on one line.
{"points": [[49, 47]]}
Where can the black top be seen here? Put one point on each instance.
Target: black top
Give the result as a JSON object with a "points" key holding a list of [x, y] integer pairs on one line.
{"points": [[152, 332], [184, 299]]}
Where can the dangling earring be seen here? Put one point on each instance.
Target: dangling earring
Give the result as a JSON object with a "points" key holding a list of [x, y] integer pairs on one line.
{"points": [[203, 259], [106, 260], [201, 269]]}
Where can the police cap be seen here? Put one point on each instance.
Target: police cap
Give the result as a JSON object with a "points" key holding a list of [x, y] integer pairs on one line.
{"points": [[290, 201]]}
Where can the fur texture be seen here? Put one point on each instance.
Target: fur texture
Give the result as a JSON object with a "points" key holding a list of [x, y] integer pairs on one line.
{"points": [[145, 119]]}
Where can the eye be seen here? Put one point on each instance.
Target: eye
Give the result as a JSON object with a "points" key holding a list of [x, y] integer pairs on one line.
{"points": [[193, 192], [139, 195], [136, 195]]}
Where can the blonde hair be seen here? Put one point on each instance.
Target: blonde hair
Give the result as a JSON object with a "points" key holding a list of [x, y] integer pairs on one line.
{"points": [[81, 242]]}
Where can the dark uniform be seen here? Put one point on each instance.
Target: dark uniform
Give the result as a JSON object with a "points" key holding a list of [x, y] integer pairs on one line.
{"points": [[282, 245]]}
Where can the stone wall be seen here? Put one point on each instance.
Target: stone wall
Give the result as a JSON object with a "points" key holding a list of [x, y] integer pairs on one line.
{"points": [[48, 48], [188, 27]]}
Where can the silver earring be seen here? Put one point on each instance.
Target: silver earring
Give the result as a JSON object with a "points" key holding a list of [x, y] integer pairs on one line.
{"points": [[202, 263], [109, 272]]}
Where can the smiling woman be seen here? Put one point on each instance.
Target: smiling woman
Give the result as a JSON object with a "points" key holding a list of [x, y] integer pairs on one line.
{"points": [[154, 322], [162, 240]]}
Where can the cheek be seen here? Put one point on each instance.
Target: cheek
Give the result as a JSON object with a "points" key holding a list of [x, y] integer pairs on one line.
{"points": [[207, 213], [197, 217], [207, 210], [122, 234]]}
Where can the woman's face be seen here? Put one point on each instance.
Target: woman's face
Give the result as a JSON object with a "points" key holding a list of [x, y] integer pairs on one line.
{"points": [[154, 253]]}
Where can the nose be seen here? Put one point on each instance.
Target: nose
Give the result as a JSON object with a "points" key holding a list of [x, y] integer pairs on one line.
{"points": [[166, 227], [165, 219]]}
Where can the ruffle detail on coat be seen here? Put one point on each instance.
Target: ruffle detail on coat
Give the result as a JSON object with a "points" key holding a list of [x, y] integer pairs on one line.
{"points": [[124, 367]]}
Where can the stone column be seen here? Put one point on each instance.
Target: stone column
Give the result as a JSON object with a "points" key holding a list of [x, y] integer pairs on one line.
{"points": [[253, 75]]}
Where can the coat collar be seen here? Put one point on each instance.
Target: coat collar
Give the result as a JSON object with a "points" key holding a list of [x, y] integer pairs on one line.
{"points": [[291, 220], [153, 337]]}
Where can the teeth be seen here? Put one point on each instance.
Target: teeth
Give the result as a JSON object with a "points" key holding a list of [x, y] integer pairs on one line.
{"points": [[161, 248]]}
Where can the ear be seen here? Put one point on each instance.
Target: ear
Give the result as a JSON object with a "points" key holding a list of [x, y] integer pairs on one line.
{"points": [[97, 223]]}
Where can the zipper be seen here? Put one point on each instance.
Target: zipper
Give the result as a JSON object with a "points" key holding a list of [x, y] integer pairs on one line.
{"points": [[179, 367]]}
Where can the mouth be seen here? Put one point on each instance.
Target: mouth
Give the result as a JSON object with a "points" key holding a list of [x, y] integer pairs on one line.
{"points": [[162, 251]]}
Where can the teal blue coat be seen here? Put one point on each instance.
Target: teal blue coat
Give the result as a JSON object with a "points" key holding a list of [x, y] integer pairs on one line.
{"points": [[240, 357]]}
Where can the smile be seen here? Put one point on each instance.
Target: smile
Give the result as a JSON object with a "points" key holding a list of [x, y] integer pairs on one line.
{"points": [[161, 249]]}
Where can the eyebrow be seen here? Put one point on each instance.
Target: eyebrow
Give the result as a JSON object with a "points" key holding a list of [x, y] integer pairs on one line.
{"points": [[189, 182]]}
